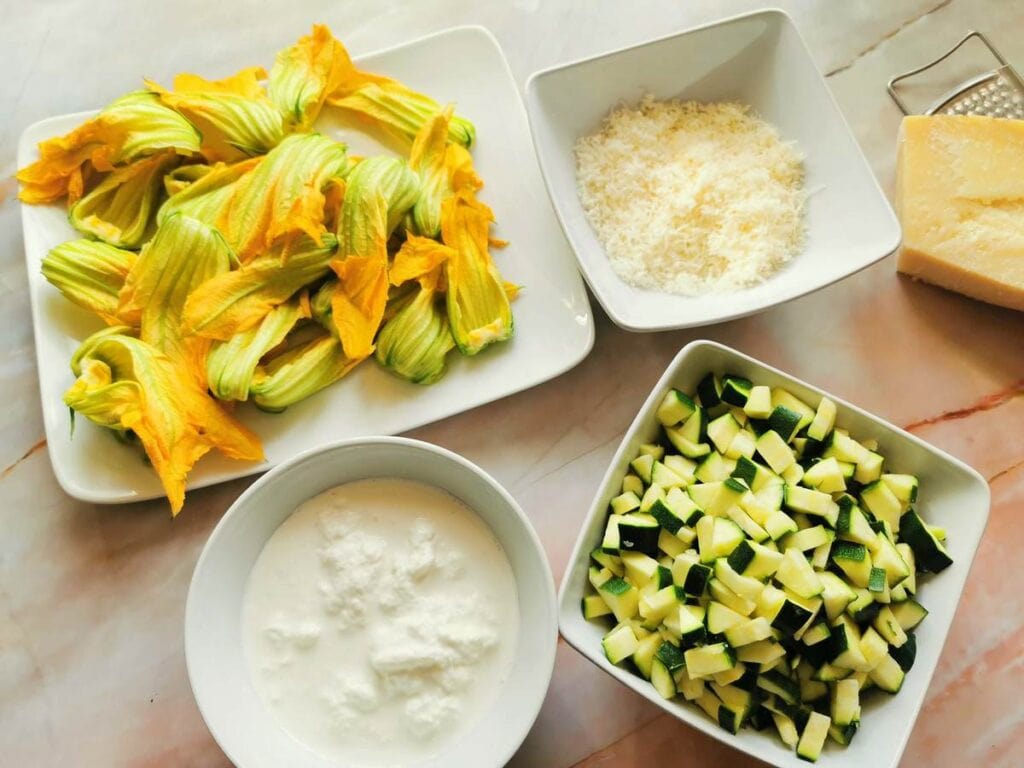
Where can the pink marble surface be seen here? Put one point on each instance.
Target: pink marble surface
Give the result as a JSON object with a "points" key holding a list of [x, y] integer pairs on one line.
{"points": [[92, 671]]}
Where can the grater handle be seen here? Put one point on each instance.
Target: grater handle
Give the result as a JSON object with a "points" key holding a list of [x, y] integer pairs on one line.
{"points": [[891, 87]]}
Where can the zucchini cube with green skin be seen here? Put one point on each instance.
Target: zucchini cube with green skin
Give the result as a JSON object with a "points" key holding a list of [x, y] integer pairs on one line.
{"points": [[929, 553], [643, 465], [722, 430], [639, 567], [611, 541], [746, 470], [845, 448], [818, 633], [744, 586], [654, 608], [681, 465], [750, 631], [909, 614], [612, 562], [708, 660], [594, 607], [903, 487], [882, 503], [884, 555], [735, 390], [730, 599], [638, 533], [863, 608], [906, 653], [709, 390], [644, 653], [691, 630], [845, 646], [690, 688], [889, 627], [688, 448], [690, 575], [854, 560], [761, 653], [852, 524], [780, 686], [873, 646], [845, 703], [633, 484], [728, 495], [675, 408], [621, 597], [625, 502], [775, 452], [870, 469], [791, 616], [754, 560], [843, 735], [666, 478], [714, 467], [907, 554], [703, 494], [653, 450], [888, 675], [811, 502], [784, 421], [806, 539], [744, 445], [825, 476], [787, 399], [876, 580], [812, 740], [779, 524], [619, 644], [720, 617], [598, 576], [759, 402], [836, 594], [671, 544], [796, 574], [824, 420], [738, 701], [747, 524]]}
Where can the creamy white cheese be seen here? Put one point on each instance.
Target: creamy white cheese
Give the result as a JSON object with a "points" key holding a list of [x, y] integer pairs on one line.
{"points": [[380, 621]]}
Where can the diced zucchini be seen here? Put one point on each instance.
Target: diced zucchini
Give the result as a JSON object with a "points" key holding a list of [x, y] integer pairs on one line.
{"points": [[654, 608], [633, 484], [662, 679], [882, 503], [793, 474], [811, 502], [743, 446], [888, 675], [870, 469], [845, 703], [625, 502], [906, 653], [845, 448], [873, 647], [845, 646], [909, 614], [675, 408], [889, 627], [784, 421], [825, 476], [652, 449], [785, 398], [714, 467], [909, 583], [836, 594], [824, 420], [599, 576], [722, 430], [681, 465], [730, 491], [727, 597], [622, 598], [594, 607], [813, 737], [843, 735], [750, 631], [796, 574], [736, 390], [612, 562], [818, 633], [779, 524], [690, 688], [929, 553], [643, 465], [775, 452], [851, 524], [854, 560], [641, 568], [666, 478], [709, 390], [763, 652], [863, 608], [808, 538], [759, 402], [708, 660], [671, 544], [747, 524], [720, 617], [619, 644], [638, 533], [904, 487], [730, 676], [786, 728], [644, 653], [611, 541]]}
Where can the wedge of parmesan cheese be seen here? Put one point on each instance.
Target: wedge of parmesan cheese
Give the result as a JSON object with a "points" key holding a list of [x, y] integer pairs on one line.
{"points": [[689, 197], [960, 196]]}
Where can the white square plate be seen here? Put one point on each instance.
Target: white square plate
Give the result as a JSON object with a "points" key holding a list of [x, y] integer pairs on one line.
{"points": [[757, 59], [554, 326], [952, 495]]}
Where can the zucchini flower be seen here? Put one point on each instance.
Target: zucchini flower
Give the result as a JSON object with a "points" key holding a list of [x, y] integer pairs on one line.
{"points": [[416, 340], [184, 254], [378, 193], [478, 304], [183, 176], [282, 197], [304, 75], [299, 372], [130, 127], [125, 384], [231, 364], [399, 111], [237, 301], [119, 210], [206, 197], [427, 159], [89, 274], [233, 115]]}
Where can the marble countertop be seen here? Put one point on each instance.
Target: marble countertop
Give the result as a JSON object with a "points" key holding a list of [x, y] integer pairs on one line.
{"points": [[92, 671]]}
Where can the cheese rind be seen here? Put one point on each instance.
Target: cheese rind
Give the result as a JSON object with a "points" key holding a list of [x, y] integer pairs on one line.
{"points": [[960, 196]]}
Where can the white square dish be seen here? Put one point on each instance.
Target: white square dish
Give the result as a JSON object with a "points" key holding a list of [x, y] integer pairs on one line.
{"points": [[757, 59], [952, 495], [554, 326]]}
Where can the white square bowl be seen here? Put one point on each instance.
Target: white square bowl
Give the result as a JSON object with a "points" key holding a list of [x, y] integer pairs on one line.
{"points": [[952, 495], [757, 59]]}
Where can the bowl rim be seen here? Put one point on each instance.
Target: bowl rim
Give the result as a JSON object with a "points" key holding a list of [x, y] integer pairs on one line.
{"points": [[213, 545], [567, 602], [607, 299]]}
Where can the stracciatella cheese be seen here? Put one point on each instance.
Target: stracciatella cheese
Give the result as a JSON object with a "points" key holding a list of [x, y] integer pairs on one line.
{"points": [[380, 622], [691, 198]]}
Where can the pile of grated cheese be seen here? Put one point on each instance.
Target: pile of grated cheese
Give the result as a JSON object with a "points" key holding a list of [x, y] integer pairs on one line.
{"points": [[691, 198]]}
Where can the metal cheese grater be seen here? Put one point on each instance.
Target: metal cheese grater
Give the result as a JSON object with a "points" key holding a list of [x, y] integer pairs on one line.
{"points": [[996, 93]]}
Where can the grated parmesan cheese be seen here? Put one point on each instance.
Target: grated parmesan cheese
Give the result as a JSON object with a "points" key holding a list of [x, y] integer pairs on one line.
{"points": [[691, 198]]}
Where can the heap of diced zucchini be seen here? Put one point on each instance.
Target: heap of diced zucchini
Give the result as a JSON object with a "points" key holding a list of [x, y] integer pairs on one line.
{"points": [[761, 563]]}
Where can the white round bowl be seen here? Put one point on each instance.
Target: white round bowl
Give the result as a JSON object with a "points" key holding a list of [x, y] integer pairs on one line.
{"points": [[234, 712]]}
